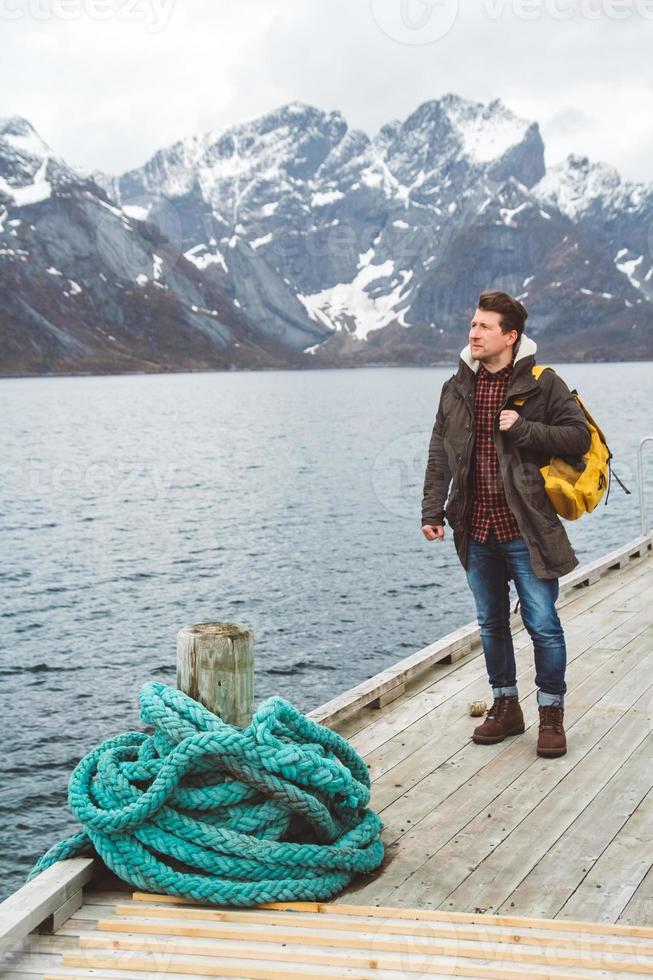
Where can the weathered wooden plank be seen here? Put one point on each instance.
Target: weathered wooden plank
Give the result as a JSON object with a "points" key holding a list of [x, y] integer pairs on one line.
{"points": [[62, 913], [389, 696], [640, 906], [412, 710], [30, 962], [107, 965], [554, 879], [636, 548], [107, 898], [448, 802], [30, 905], [404, 670], [450, 759], [513, 847], [612, 583], [613, 880]]}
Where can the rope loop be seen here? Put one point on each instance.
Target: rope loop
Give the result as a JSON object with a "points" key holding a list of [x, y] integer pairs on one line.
{"points": [[277, 811]]}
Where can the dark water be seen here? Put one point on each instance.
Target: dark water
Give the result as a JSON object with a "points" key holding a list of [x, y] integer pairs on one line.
{"points": [[289, 501]]}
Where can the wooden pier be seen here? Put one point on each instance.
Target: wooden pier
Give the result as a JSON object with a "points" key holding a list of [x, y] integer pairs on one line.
{"points": [[499, 863]]}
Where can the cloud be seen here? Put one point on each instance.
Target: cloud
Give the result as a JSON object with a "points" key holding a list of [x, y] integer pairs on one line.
{"points": [[109, 93]]}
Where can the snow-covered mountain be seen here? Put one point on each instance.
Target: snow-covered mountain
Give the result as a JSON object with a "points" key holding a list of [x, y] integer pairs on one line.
{"points": [[325, 246], [87, 287], [617, 214]]}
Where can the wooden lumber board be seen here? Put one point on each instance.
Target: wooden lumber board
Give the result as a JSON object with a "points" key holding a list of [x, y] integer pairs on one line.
{"points": [[187, 939], [282, 970], [389, 925], [438, 807], [167, 927], [126, 966], [419, 922], [42, 897], [368, 952]]}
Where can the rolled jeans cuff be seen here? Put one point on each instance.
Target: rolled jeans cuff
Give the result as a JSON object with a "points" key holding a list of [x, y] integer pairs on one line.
{"points": [[543, 697], [505, 692]]}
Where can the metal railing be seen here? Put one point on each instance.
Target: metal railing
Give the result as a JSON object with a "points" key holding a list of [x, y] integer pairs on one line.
{"points": [[640, 481]]}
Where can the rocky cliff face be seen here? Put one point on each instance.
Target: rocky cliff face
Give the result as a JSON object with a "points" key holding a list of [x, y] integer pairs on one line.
{"points": [[291, 239]]}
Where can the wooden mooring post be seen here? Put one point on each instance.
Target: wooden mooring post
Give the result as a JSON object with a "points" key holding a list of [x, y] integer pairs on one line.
{"points": [[215, 666]]}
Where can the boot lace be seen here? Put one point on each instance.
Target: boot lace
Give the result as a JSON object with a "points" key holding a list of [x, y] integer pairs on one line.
{"points": [[498, 707], [551, 717]]}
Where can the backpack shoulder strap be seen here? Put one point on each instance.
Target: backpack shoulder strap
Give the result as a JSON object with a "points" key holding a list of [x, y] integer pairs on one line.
{"points": [[538, 368]]}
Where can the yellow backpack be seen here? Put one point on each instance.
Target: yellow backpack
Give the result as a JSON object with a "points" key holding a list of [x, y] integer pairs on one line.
{"points": [[576, 485]]}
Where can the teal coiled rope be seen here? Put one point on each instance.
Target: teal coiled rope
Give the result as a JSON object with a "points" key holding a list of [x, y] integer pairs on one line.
{"points": [[201, 809]]}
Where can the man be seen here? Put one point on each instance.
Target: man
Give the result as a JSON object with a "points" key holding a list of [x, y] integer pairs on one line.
{"points": [[495, 426]]}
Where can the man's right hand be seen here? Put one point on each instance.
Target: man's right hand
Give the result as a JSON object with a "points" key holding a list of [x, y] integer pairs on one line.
{"points": [[433, 532]]}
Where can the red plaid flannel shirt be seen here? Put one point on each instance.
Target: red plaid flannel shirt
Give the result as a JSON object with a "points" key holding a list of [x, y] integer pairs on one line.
{"points": [[489, 505]]}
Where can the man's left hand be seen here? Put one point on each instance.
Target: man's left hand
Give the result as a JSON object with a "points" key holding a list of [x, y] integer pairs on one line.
{"points": [[507, 418]]}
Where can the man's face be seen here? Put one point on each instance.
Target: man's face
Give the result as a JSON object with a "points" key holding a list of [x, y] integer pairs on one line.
{"points": [[486, 338]]}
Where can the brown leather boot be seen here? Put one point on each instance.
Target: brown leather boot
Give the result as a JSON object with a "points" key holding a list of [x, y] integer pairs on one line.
{"points": [[504, 717], [551, 740]]}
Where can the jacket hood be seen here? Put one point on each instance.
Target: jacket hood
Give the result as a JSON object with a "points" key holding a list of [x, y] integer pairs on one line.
{"points": [[523, 348]]}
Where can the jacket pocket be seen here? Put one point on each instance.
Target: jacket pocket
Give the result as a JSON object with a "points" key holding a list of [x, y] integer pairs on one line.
{"points": [[540, 502]]}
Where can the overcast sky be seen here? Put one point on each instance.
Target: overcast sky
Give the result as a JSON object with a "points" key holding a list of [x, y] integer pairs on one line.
{"points": [[108, 82]]}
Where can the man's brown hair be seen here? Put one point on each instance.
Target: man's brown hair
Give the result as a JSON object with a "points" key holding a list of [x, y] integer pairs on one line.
{"points": [[513, 313]]}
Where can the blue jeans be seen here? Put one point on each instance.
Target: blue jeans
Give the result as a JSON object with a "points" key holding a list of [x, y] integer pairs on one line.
{"points": [[490, 566]]}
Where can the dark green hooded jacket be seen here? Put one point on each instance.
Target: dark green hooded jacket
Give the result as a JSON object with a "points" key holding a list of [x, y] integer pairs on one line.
{"points": [[551, 423]]}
